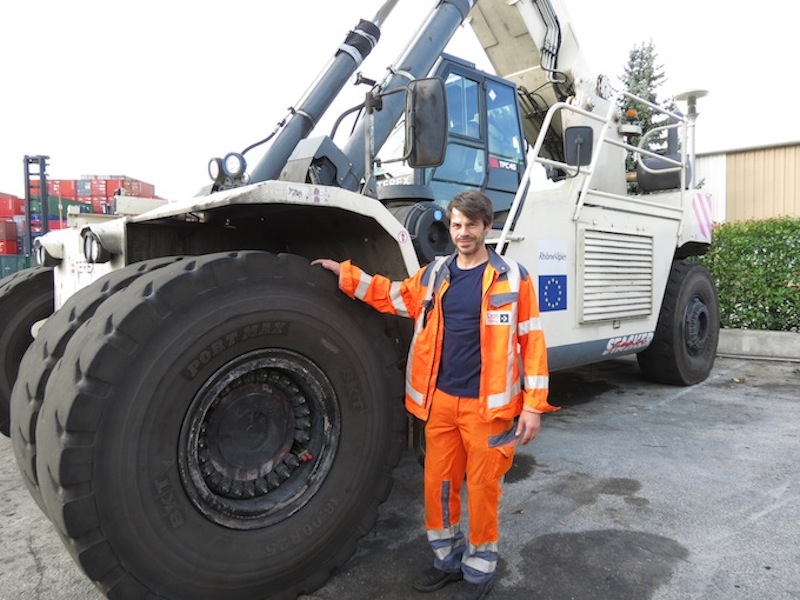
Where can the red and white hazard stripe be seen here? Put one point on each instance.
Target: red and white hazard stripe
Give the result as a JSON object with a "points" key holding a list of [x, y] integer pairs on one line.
{"points": [[702, 207]]}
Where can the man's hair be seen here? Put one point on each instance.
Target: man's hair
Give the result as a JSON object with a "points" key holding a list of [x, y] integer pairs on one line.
{"points": [[474, 205]]}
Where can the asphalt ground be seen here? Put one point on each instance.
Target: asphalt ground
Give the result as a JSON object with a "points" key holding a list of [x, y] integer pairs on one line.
{"points": [[632, 491]]}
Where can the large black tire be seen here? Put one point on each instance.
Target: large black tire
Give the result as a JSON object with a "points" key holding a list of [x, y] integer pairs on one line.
{"points": [[685, 343], [25, 298], [43, 353], [225, 428]]}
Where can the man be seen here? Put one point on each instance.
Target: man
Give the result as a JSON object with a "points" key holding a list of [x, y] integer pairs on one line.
{"points": [[476, 325]]}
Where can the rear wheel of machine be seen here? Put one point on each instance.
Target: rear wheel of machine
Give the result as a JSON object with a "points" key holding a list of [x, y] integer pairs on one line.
{"points": [[43, 353], [685, 343], [226, 428], [25, 298]]}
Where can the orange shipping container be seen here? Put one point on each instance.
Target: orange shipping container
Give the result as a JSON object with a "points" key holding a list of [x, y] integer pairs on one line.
{"points": [[8, 230], [97, 187], [7, 207], [131, 187], [134, 187], [9, 247], [66, 188], [113, 186], [100, 205], [10, 206]]}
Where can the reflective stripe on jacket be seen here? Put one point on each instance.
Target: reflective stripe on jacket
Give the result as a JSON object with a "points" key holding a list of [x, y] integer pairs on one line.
{"points": [[510, 330]]}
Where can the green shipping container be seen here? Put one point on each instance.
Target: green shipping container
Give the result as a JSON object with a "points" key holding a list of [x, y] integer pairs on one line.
{"points": [[53, 206], [11, 264]]}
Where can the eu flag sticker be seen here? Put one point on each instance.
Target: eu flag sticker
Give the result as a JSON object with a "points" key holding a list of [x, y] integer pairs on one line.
{"points": [[552, 292]]}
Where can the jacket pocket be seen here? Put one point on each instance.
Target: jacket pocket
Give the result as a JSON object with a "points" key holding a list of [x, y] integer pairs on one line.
{"points": [[501, 448], [505, 438], [497, 300]]}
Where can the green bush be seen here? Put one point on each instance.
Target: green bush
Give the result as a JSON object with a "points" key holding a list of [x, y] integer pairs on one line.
{"points": [[756, 266]]}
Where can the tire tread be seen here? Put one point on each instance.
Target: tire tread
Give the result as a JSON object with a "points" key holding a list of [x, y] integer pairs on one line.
{"points": [[74, 404]]}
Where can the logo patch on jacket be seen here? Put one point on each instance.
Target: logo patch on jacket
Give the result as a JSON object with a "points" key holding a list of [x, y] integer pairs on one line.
{"points": [[498, 317]]}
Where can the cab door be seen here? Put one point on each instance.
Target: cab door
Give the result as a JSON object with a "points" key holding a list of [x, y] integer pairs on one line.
{"points": [[485, 149]]}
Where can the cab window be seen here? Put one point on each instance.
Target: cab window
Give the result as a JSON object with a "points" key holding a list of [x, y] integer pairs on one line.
{"points": [[504, 134], [463, 108]]}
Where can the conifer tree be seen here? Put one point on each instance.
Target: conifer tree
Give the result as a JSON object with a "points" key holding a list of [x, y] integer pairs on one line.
{"points": [[643, 75]]}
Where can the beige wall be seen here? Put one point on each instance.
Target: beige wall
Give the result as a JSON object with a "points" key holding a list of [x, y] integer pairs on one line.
{"points": [[712, 178], [762, 183]]}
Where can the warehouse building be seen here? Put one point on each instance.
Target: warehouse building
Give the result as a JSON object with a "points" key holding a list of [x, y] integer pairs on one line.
{"points": [[759, 182]]}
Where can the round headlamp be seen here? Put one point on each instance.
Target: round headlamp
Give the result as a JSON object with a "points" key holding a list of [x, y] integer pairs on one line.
{"points": [[234, 165], [215, 170], [93, 249], [42, 257]]}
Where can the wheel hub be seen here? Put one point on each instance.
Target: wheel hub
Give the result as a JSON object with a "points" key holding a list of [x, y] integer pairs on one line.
{"points": [[259, 439], [254, 436], [696, 325]]}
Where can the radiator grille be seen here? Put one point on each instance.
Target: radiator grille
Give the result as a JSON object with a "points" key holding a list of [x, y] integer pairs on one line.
{"points": [[617, 276]]}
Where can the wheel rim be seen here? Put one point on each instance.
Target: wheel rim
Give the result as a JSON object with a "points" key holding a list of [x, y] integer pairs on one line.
{"points": [[696, 325], [259, 439]]}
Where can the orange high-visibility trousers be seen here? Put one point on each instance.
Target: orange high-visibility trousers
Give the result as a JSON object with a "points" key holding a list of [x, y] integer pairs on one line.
{"points": [[458, 445]]}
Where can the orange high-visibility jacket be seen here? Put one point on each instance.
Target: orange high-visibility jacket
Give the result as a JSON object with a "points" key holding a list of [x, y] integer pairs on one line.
{"points": [[511, 333]]}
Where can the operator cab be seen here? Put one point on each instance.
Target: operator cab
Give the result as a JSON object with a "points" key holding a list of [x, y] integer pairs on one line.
{"points": [[485, 149]]}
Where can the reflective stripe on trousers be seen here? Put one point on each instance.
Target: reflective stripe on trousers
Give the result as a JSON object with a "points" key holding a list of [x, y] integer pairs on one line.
{"points": [[459, 445]]}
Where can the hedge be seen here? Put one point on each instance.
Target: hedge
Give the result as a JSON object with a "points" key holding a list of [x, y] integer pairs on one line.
{"points": [[756, 266]]}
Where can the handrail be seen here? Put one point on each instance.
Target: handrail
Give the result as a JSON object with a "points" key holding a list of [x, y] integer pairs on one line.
{"points": [[678, 165], [663, 157], [526, 176]]}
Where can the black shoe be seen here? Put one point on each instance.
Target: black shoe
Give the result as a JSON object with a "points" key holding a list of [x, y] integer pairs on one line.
{"points": [[432, 579], [474, 591]]}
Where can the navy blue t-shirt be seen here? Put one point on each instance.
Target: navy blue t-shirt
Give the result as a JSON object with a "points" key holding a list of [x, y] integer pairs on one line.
{"points": [[460, 367]]}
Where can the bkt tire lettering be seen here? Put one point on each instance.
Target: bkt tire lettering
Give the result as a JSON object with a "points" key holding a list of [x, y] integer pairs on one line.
{"points": [[169, 503]]}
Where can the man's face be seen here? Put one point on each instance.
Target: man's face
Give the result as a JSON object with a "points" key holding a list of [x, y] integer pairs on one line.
{"points": [[468, 235]]}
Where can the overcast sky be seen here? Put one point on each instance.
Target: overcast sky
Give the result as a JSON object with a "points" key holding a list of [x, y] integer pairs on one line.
{"points": [[152, 89]]}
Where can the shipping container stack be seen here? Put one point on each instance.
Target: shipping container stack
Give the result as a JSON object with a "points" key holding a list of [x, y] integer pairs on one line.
{"points": [[100, 191], [91, 194], [10, 207]]}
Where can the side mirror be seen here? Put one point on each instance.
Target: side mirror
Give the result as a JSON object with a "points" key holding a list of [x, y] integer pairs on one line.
{"points": [[426, 123], [578, 143]]}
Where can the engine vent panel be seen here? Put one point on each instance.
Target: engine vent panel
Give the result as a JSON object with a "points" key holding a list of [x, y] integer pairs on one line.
{"points": [[617, 276]]}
